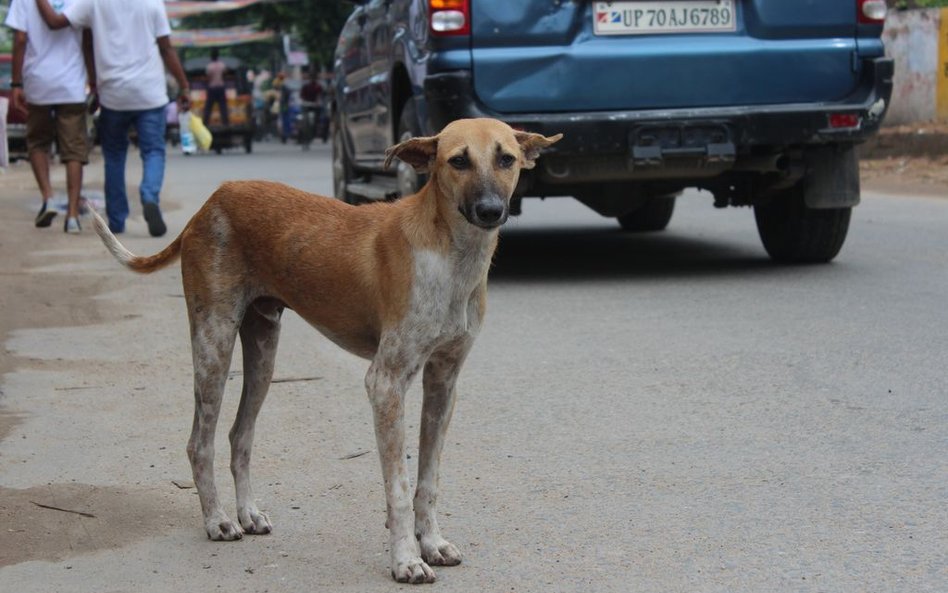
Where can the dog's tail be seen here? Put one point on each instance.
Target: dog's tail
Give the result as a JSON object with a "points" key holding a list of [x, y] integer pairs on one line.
{"points": [[136, 263]]}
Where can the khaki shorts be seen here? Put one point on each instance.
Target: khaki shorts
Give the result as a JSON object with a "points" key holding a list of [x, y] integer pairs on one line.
{"points": [[64, 123]]}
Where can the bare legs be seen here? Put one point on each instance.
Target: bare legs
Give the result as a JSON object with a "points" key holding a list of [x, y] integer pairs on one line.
{"points": [[40, 163]]}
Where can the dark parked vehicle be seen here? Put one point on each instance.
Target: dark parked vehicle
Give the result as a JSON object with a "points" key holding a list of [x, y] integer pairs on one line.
{"points": [[16, 121], [759, 102]]}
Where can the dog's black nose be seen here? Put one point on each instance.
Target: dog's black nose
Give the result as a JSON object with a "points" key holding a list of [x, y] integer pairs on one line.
{"points": [[489, 211]]}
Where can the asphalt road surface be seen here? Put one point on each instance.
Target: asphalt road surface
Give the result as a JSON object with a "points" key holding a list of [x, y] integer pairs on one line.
{"points": [[655, 413]]}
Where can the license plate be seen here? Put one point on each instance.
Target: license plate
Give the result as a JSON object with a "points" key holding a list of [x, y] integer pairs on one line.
{"points": [[666, 16]]}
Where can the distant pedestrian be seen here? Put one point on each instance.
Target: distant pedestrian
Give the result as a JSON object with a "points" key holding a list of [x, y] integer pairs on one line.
{"points": [[49, 86], [132, 47], [311, 102], [284, 94], [216, 89]]}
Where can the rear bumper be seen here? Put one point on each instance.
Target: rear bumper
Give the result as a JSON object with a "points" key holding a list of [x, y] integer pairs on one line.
{"points": [[450, 96]]}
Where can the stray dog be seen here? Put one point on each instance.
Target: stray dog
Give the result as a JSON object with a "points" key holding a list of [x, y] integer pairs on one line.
{"points": [[402, 284]]}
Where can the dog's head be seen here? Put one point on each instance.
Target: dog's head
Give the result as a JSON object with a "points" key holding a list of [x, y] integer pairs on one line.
{"points": [[475, 164]]}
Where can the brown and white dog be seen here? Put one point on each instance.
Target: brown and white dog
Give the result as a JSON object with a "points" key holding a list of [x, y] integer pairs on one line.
{"points": [[402, 284]]}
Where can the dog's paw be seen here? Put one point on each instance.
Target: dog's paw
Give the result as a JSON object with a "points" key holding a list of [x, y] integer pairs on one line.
{"points": [[413, 570], [254, 522], [407, 565], [223, 529], [438, 551]]}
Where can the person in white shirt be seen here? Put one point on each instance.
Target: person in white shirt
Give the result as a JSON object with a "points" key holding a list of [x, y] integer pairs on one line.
{"points": [[132, 48], [49, 86]]}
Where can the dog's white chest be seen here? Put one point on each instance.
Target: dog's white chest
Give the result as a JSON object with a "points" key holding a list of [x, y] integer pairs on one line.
{"points": [[442, 303]]}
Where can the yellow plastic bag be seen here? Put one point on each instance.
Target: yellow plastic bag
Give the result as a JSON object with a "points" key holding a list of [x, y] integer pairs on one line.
{"points": [[202, 135]]}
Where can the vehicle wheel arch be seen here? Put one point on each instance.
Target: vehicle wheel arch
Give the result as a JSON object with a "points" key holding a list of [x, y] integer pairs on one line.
{"points": [[401, 93], [335, 119], [342, 169]]}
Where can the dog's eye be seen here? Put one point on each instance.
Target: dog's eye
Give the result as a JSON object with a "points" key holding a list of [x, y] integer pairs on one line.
{"points": [[459, 162], [507, 161]]}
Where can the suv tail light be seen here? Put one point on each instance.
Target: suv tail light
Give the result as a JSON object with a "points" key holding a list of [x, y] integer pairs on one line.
{"points": [[450, 17], [871, 12], [844, 121]]}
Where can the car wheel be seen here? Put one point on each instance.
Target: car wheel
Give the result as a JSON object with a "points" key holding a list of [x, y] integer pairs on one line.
{"points": [[793, 233], [341, 167], [409, 181], [653, 215]]}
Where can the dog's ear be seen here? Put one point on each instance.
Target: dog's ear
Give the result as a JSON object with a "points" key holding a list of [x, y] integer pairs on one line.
{"points": [[531, 144], [417, 152]]}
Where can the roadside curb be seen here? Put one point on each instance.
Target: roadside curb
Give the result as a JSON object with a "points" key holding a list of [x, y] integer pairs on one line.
{"points": [[923, 140]]}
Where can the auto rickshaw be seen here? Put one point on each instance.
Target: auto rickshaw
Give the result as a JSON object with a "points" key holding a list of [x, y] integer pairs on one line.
{"points": [[240, 128]]}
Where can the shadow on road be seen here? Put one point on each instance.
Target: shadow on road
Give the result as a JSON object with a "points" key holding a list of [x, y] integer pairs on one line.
{"points": [[579, 254]]}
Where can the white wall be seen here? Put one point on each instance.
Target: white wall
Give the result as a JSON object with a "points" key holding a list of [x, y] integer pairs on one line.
{"points": [[911, 38]]}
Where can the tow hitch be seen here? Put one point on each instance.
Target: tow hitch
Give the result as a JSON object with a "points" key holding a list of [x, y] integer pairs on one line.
{"points": [[705, 145]]}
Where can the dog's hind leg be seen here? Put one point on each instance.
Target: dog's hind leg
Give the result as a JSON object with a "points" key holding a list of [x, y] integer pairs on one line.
{"points": [[259, 334], [440, 376], [213, 333]]}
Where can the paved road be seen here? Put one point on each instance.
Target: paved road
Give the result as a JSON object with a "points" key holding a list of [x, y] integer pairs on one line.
{"points": [[656, 413]]}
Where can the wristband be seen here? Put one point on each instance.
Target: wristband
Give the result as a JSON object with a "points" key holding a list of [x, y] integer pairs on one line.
{"points": [[16, 85]]}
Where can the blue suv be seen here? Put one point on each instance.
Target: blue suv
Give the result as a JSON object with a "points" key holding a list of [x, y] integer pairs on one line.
{"points": [[759, 102]]}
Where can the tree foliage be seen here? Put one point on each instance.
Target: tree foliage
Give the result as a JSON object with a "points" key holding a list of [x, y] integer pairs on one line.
{"points": [[316, 23]]}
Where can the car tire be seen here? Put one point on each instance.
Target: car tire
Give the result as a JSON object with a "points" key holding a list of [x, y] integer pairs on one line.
{"points": [[653, 215], [409, 181], [794, 233], [341, 166]]}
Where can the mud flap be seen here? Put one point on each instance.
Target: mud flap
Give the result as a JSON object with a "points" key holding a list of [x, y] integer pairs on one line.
{"points": [[832, 177]]}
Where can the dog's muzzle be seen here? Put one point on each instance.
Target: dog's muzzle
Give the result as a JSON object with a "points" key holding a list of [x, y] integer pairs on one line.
{"points": [[488, 212]]}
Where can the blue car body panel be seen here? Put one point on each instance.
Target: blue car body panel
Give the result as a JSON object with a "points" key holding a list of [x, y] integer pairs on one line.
{"points": [[789, 51]]}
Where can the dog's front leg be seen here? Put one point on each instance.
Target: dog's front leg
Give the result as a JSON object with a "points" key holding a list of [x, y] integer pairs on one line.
{"points": [[386, 385], [440, 376]]}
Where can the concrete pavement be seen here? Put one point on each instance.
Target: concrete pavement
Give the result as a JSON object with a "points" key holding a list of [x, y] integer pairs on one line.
{"points": [[670, 413]]}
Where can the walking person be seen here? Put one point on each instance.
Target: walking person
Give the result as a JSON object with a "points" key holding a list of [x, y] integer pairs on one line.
{"points": [[216, 91], [284, 94], [311, 102], [132, 47], [50, 72]]}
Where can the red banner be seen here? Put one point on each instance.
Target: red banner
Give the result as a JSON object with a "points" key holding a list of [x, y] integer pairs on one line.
{"points": [[218, 37], [178, 10]]}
